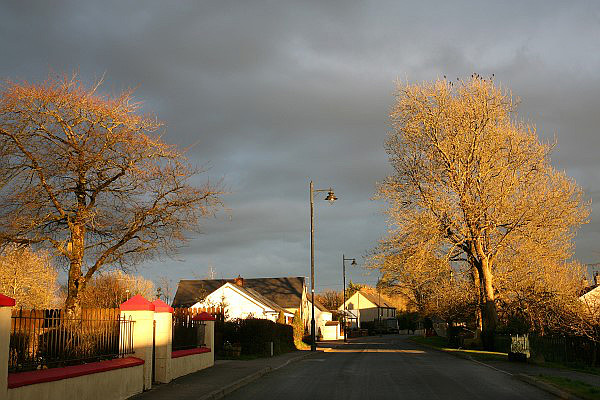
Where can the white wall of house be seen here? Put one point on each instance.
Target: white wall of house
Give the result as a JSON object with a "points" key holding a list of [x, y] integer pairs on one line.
{"points": [[238, 304], [321, 317], [591, 299], [365, 310]]}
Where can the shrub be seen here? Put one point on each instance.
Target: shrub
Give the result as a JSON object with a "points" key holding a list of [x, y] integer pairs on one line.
{"points": [[19, 349], [408, 320], [255, 334], [298, 327], [281, 318]]}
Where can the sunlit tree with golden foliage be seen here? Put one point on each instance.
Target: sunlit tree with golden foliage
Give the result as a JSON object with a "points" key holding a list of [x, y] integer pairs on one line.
{"points": [[88, 176], [473, 186], [28, 277]]}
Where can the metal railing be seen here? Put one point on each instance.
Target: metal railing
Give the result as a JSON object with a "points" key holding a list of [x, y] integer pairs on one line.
{"points": [[49, 338], [565, 349]]}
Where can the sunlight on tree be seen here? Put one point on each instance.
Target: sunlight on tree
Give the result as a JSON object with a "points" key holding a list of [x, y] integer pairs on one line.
{"points": [[85, 175], [472, 188]]}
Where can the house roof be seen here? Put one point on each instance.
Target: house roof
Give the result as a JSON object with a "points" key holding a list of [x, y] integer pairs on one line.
{"points": [[285, 291], [260, 298], [320, 306], [375, 300]]}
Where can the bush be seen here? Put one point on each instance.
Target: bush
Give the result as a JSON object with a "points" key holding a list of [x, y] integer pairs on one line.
{"points": [[254, 336], [19, 349], [281, 318], [298, 327], [70, 344], [256, 333], [408, 320], [57, 345]]}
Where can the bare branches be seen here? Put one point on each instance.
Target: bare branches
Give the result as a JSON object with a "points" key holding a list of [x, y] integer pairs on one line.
{"points": [[85, 174]]}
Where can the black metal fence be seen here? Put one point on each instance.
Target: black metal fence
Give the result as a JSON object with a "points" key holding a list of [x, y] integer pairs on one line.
{"points": [[565, 349], [560, 349], [49, 338]]}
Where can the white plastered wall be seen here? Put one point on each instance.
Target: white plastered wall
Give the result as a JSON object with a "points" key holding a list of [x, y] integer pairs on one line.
{"points": [[236, 304], [117, 384]]}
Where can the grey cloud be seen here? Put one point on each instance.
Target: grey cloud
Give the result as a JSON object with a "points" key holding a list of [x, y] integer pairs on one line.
{"points": [[276, 92]]}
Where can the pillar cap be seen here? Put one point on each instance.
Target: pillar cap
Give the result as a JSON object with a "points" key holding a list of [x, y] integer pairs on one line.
{"points": [[161, 306], [203, 316], [137, 303], [6, 301]]}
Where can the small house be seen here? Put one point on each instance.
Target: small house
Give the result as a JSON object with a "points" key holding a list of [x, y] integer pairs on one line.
{"points": [[367, 307]]}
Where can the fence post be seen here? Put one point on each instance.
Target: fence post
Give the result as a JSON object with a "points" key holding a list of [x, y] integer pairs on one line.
{"points": [[141, 311], [163, 316], [209, 332], [6, 304]]}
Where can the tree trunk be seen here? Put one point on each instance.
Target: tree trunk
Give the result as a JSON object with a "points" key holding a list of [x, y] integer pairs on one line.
{"points": [[76, 283], [489, 319], [478, 315], [489, 313]]}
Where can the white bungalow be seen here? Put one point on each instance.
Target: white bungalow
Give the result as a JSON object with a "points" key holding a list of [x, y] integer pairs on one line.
{"points": [[243, 302]]}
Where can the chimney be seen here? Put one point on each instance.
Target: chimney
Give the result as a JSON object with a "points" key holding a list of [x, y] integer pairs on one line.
{"points": [[239, 281]]}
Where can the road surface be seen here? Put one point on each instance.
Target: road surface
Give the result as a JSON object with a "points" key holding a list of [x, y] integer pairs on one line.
{"points": [[387, 367]]}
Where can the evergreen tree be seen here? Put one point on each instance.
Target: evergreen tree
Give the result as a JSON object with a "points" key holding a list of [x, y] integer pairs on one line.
{"points": [[281, 318]]}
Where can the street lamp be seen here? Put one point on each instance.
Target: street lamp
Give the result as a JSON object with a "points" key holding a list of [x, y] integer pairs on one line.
{"points": [[330, 198], [344, 259]]}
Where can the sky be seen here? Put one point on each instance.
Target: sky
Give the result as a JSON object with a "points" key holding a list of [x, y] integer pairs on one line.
{"points": [[273, 94]]}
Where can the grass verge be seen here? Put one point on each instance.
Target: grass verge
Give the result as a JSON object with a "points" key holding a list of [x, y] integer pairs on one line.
{"points": [[571, 366], [480, 355], [577, 388], [440, 343]]}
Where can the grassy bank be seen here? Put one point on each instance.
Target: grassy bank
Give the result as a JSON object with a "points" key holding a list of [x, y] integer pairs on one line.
{"points": [[440, 343], [577, 388]]}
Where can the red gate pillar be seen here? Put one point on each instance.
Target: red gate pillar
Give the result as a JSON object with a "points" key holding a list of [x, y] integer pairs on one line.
{"points": [[163, 316], [6, 304], [141, 311]]}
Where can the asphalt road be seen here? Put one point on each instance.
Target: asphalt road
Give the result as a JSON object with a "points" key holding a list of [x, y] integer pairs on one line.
{"points": [[387, 367]]}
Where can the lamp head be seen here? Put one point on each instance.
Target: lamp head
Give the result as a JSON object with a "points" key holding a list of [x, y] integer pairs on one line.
{"points": [[331, 196], [353, 261]]}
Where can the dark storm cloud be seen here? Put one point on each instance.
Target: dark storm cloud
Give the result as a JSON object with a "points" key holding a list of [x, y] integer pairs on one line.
{"points": [[276, 92]]}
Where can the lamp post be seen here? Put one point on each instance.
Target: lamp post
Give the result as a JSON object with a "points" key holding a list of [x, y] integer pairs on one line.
{"points": [[344, 259], [331, 198]]}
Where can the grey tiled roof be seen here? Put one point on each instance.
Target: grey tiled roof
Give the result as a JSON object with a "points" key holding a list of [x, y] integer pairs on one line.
{"points": [[285, 291], [375, 300]]}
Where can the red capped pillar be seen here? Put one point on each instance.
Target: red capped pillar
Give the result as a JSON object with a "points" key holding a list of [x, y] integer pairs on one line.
{"points": [[6, 305], [163, 318], [141, 311]]}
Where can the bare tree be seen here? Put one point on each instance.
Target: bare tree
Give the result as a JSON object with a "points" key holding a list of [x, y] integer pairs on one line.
{"points": [[110, 289], [165, 287], [330, 299], [477, 181], [28, 277], [87, 176]]}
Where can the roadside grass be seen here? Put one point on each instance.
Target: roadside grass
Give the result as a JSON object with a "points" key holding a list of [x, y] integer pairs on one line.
{"points": [[570, 366], [578, 388], [441, 344], [480, 355], [302, 345]]}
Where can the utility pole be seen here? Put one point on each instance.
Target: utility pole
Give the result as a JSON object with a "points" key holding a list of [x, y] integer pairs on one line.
{"points": [[331, 198], [344, 259]]}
